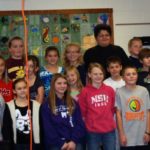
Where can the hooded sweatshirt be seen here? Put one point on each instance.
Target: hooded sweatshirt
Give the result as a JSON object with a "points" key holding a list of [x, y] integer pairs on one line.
{"points": [[97, 107], [62, 127]]}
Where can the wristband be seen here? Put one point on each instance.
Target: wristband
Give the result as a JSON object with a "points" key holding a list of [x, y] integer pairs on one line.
{"points": [[147, 133]]}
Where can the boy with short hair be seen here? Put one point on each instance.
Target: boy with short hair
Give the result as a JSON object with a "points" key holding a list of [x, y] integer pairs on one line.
{"points": [[144, 74], [134, 47], [15, 63], [114, 67], [133, 112]]}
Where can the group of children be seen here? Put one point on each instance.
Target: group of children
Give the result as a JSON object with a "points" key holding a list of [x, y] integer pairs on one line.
{"points": [[72, 109]]}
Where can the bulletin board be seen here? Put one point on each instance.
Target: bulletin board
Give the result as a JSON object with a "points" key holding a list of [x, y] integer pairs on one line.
{"points": [[53, 28]]}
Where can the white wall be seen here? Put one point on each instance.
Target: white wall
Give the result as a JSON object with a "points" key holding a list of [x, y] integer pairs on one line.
{"points": [[125, 11]]}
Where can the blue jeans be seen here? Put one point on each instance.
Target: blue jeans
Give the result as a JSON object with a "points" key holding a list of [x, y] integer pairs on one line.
{"points": [[146, 147], [108, 140], [78, 147]]}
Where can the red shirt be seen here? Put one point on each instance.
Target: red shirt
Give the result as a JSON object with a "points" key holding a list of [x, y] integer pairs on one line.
{"points": [[6, 90], [97, 108]]}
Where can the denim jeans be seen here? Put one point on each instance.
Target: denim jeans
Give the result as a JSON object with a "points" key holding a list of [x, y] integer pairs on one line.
{"points": [[108, 140], [78, 147], [146, 147]]}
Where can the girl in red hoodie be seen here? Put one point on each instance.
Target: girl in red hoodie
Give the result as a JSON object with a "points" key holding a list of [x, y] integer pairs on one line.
{"points": [[97, 106]]}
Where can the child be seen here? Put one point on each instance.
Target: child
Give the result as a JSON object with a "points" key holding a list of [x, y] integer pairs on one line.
{"points": [[15, 63], [134, 47], [75, 84], [144, 74], [133, 110], [5, 83], [73, 79], [97, 106], [61, 118], [16, 124], [72, 57], [36, 85], [114, 67], [47, 72]]}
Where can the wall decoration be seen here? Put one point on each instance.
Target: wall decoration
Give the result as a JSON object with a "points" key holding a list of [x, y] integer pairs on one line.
{"points": [[53, 27]]}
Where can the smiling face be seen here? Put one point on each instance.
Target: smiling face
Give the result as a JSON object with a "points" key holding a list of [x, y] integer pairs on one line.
{"points": [[16, 49], [60, 87], [96, 75], [103, 39], [135, 48], [72, 77], [130, 76], [52, 57], [73, 54]]}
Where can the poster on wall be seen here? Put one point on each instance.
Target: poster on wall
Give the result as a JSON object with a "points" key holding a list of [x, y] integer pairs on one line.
{"points": [[53, 28]]}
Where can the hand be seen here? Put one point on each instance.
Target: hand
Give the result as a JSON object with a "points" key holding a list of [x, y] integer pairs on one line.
{"points": [[65, 146], [123, 140], [71, 145], [146, 138]]}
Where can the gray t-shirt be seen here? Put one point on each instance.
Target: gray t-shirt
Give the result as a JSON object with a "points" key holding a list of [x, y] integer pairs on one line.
{"points": [[2, 106], [134, 105]]}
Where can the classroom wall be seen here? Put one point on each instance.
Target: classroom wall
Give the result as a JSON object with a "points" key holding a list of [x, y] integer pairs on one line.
{"points": [[131, 17]]}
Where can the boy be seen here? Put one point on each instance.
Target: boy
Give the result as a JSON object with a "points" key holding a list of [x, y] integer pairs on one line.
{"points": [[15, 64], [134, 47], [133, 111], [114, 67], [144, 74]]}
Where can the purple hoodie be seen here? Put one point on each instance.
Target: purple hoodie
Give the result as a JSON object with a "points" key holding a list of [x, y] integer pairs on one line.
{"points": [[61, 128]]}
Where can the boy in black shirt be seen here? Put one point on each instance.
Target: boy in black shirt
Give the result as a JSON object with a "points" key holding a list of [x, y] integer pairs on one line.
{"points": [[144, 74]]}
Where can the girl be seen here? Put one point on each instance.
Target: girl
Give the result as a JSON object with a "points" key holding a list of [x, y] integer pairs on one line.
{"points": [[133, 112], [16, 124], [75, 84], [72, 57], [73, 79], [5, 83], [36, 85], [61, 118], [46, 72], [97, 106]]}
